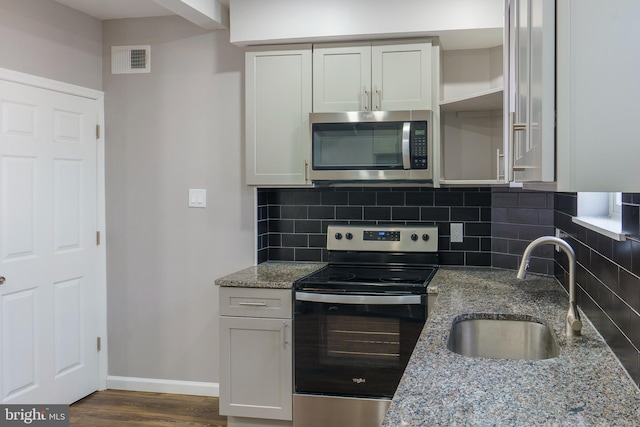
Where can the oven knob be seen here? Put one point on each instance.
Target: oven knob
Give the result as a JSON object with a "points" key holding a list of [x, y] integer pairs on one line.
{"points": [[414, 237], [338, 236], [349, 236], [425, 237]]}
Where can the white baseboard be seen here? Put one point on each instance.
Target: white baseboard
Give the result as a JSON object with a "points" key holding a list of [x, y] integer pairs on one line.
{"points": [[194, 388]]}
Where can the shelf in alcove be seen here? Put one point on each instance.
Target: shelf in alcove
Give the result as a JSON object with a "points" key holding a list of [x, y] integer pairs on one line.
{"points": [[491, 99]]}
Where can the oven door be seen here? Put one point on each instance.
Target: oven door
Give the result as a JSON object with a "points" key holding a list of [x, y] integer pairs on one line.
{"points": [[354, 345]]}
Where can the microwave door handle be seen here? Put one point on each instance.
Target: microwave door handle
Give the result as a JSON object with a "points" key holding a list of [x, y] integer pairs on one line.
{"points": [[406, 146]]}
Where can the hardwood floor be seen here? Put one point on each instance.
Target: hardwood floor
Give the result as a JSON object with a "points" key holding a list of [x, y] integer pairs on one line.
{"points": [[115, 408]]}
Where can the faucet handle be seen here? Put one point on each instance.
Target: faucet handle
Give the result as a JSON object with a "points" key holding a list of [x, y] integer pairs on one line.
{"points": [[574, 324]]}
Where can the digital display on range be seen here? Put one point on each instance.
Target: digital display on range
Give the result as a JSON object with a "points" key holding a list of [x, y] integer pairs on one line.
{"points": [[386, 236]]}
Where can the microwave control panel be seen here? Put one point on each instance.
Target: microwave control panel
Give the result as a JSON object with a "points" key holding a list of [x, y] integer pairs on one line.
{"points": [[418, 143]]}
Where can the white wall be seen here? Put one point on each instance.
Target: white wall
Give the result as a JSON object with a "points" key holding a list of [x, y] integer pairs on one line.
{"points": [[179, 127], [47, 39], [475, 23]]}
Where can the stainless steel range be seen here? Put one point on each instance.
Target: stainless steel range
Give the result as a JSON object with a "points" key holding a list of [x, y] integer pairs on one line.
{"points": [[357, 320]]}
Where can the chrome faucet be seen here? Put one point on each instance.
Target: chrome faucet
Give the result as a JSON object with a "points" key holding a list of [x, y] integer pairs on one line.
{"points": [[574, 325]]}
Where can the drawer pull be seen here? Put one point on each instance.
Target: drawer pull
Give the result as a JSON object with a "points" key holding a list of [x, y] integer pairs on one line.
{"points": [[253, 304]]}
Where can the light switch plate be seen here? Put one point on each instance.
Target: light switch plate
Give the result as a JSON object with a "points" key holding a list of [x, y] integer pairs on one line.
{"points": [[456, 232], [197, 198]]}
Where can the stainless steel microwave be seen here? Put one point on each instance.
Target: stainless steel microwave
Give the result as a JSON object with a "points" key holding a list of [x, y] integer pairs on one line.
{"points": [[367, 146]]}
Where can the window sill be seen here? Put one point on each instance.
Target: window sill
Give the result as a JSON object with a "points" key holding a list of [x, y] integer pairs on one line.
{"points": [[606, 226]]}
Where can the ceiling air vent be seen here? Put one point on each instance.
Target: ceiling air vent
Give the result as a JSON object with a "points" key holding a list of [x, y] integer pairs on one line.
{"points": [[130, 59]]}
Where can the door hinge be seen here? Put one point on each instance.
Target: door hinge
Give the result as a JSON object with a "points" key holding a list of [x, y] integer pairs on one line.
{"points": [[97, 131], [99, 343], [97, 238]]}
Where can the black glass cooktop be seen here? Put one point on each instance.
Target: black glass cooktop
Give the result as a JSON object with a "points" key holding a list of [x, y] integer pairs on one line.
{"points": [[380, 278]]}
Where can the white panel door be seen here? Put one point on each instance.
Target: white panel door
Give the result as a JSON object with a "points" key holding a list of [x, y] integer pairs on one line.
{"points": [[48, 252]]}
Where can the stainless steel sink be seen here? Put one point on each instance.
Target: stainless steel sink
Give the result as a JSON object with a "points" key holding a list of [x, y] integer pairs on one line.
{"points": [[503, 338]]}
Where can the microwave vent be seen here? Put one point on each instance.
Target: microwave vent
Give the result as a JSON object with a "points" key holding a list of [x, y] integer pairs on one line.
{"points": [[130, 59]]}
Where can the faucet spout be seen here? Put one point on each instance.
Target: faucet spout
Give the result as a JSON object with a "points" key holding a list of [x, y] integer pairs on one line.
{"points": [[573, 324]]}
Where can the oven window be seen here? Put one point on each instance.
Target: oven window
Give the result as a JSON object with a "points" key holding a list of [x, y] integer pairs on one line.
{"points": [[361, 341]]}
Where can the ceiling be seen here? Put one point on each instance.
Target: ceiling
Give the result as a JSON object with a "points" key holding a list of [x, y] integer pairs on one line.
{"points": [[118, 9]]}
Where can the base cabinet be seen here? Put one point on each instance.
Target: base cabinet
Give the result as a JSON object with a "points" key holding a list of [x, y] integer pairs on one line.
{"points": [[256, 365]]}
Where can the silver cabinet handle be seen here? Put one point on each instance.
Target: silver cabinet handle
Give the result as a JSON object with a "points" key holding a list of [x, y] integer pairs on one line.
{"points": [[2, 280], [515, 127], [499, 156], [365, 101], [378, 98], [253, 304], [306, 170], [284, 335]]}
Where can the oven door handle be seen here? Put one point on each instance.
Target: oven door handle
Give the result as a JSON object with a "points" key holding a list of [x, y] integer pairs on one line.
{"points": [[359, 299]]}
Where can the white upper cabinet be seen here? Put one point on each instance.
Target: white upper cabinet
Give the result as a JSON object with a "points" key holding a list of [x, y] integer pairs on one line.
{"points": [[341, 77], [278, 103], [574, 91], [372, 76], [598, 95], [531, 101]]}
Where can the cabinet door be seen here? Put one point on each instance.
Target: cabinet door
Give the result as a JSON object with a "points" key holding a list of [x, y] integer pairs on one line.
{"points": [[401, 76], [534, 108], [256, 370], [341, 77], [278, 103], [598, 90]]}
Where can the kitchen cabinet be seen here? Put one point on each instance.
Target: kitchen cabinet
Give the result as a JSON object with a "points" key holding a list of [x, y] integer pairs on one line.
{"points": [[532, 98], [593, 101], [394, 75], [256, 359], [277, 106], [472, 149]]}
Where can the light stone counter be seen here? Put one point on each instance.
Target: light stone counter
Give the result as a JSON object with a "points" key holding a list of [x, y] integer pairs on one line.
{"points": [[276, 275], [584, 386]]}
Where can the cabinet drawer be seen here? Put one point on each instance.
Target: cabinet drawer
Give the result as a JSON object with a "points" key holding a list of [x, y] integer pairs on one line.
{"points": [[255, 302]]}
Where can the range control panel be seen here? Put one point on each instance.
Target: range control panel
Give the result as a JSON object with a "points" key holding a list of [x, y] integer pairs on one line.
{"points": [[382, 238], [382, 235]]}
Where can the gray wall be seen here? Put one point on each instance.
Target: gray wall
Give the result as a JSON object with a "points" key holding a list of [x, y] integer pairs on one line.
{"points": [[47, 39], [179, 127]]}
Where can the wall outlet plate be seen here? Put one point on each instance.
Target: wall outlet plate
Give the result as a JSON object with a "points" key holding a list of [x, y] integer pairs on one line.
{"points": [[456, 232]]}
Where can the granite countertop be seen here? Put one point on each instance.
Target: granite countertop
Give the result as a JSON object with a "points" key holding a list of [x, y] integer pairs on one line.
{"points": [[275, 275], [584, 386]]}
